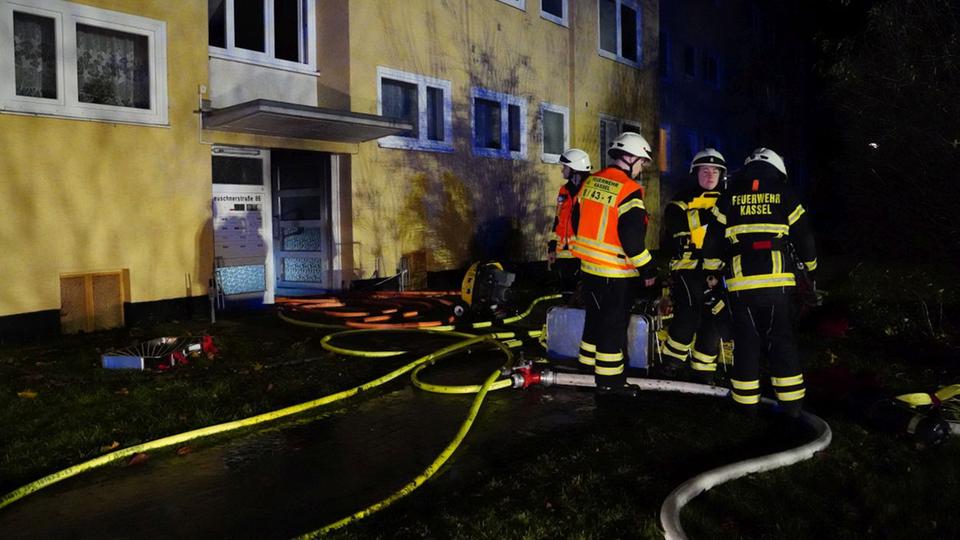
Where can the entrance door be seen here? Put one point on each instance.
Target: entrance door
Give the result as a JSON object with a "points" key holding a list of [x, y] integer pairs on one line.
{"points": [[302, 236]]}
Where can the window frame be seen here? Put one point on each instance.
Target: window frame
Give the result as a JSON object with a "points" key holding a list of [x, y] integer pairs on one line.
{"points": [[519, 4], [545, 156], [421, 142], [562, 21], [505, 100], [618, 56], [267, 58], [67, 104]]}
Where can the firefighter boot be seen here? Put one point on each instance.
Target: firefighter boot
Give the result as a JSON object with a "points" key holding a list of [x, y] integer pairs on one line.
{"points": [[792, 409], [703, 377]]}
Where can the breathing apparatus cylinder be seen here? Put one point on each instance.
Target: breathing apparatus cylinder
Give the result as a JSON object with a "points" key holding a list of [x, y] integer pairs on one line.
{"points": [[888, 415]]}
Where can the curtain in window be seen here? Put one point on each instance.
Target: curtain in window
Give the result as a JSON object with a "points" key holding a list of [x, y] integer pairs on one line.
{"points": [[112, 67], [35, 53]]}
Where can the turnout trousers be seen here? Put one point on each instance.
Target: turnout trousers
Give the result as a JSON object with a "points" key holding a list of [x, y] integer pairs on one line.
{"points": [[607, 302], [692, 321], [763, 327]]}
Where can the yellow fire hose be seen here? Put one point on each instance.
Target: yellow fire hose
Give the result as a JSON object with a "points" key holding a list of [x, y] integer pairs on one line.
{"points": [[426, 474], [469, 340], [921, 399], [105, 459]]}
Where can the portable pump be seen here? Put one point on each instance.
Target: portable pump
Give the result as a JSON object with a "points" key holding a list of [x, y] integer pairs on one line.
{"points": [[486, 287]]}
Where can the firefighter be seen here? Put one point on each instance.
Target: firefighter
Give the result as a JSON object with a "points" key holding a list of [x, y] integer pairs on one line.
{"points": [[576, 167], [686, 220], [611, 223], [762, 237]]}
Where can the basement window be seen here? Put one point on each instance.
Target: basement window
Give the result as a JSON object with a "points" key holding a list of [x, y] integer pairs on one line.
{"points": [[278, 33], [620, 31], [499, 124], [424, 102], [65, 59]]}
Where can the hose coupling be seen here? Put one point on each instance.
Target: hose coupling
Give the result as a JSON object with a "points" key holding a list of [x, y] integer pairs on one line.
{"points": [[525, 375]]}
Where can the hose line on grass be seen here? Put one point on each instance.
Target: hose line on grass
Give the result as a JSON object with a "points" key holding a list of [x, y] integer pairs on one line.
{"points": [[32, 487], [685, 492], [679, 497]]}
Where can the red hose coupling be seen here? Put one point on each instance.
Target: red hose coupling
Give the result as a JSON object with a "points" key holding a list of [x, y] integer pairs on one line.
{"points": [[525, 376]]}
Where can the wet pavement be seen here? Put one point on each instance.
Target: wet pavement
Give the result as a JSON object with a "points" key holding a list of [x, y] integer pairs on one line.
{"points": [[292, 477]]}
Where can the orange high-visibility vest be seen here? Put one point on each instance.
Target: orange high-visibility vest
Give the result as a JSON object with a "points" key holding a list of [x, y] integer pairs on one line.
{"points": [[597, 243]]}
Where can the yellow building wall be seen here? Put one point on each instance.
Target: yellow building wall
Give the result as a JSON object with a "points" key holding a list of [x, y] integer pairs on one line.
{"points": [[407, 200], [81, 196]]}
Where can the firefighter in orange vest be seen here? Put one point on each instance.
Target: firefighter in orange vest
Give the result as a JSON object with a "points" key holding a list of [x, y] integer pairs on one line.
{"points": [[685, 221], [611, 223], [576, 167], [764, 239]]}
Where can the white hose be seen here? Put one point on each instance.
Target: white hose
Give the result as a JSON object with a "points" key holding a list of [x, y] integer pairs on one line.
{"points": [[685, 492]]}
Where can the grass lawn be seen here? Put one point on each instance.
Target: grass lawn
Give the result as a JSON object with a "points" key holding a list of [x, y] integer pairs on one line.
{"points": [[605, 478]]}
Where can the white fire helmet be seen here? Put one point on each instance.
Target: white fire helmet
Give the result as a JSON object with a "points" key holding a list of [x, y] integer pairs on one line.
{"points": [[576, 159], [633, 144], [771, 157], [709, 156]]}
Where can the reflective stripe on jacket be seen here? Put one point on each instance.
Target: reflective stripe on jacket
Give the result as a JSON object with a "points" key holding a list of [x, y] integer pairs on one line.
{"points": [[756, 219]]}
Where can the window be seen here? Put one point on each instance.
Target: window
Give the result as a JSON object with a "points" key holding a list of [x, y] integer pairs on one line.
{"points": [[556, 131], [499, 124], [519, 4], [554, 10], [710, 70], [610, 128], [620, 31], [689, 61], [67, 59], [422, 101], [279, 33]]}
